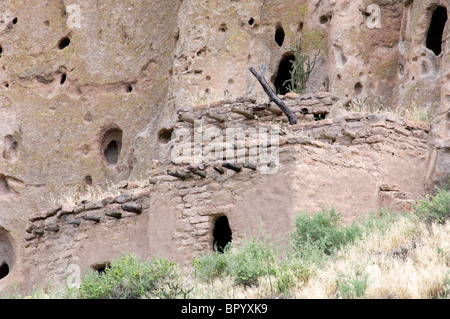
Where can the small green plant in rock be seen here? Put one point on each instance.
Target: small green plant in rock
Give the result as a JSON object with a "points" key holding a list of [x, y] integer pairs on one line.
{"points": [[302, 67]]}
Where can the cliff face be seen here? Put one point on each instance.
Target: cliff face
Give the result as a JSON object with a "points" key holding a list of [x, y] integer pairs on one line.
{"points": [[90, 92]]}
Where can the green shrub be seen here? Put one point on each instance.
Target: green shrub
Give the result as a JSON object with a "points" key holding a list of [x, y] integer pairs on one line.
{"points": [[436, 208], [322, 233], [253, 259], [354, 286], [210, 266], [244, 263], [128, 278]]}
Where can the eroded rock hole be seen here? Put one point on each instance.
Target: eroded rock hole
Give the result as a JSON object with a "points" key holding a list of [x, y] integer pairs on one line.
{"points": [[283, 74], [87, 180], [4, 270], [324, 19], [128, 88], [251, 21], [221, 234], [319, 117], [63, 43], [63, 78], [6, 253], [436, 30], [164, 136], [358, 88], [279, 35], [111, 146], [4, 186], [223, 27]]}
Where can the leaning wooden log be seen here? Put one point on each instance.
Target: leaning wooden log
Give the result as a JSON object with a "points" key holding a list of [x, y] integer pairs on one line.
{"points": [[239, 111], [178, 174], [186, 118], [219, 170], [200, 173], [232, 166], [274, 109], [272, 95], [249, 166], [215, 116]]}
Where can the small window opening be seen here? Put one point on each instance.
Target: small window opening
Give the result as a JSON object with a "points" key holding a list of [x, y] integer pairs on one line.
{"points": [[221, 234], [128, 88], [63, 43], [251, 21], [4, 270], [436, 30], [279, 35], [283, 75], [14, 21]]}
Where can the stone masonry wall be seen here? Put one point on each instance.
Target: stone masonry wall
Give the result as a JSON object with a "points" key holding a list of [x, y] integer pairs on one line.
{"points": [[357, 163]]}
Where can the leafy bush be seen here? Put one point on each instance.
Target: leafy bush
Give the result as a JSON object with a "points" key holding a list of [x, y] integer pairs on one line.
{"points": [[322, 233], [245, 264], [436, 208], [354, 286], [128, 278], [252, 260]]}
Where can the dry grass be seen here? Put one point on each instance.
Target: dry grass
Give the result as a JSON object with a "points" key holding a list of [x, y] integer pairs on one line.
{"points": [[409, 261], [414, 112]]}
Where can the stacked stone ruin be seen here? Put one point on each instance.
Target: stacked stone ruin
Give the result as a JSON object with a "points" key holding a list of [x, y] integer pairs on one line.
{"points": [[195, 200]]}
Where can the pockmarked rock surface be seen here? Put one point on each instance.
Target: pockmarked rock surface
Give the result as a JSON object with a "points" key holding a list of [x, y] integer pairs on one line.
{"points": [[99, 100]]}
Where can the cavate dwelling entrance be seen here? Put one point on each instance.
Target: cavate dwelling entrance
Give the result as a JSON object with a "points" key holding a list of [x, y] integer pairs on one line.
{"points": [[283, 74], [436, 30], [221, 234], [4, 270], [111, 145]]}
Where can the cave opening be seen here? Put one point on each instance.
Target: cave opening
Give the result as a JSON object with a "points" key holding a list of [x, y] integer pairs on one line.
{"points": [[4, 270], [284, 74], [279, 35], [436, 30]]}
